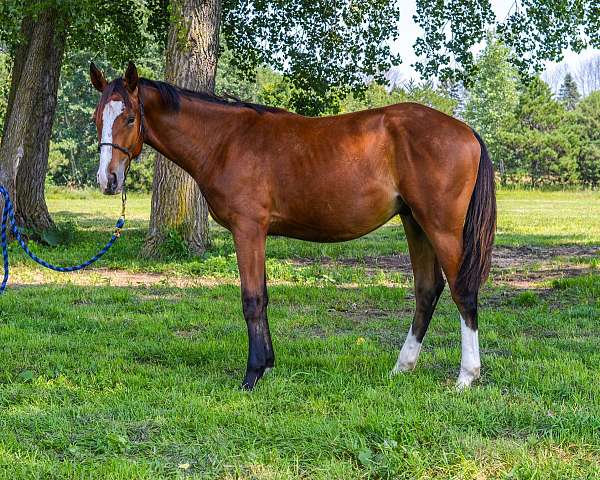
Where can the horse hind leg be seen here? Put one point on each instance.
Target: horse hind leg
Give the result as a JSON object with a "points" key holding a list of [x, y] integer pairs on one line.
{"points": [[429, 284]]}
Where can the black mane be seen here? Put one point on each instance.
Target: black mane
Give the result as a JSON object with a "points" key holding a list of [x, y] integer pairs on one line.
{"points": [[171, 96]]}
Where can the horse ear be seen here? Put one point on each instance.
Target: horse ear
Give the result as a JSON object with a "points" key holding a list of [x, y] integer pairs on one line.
{"points": [[97, 78], [131, 77]]}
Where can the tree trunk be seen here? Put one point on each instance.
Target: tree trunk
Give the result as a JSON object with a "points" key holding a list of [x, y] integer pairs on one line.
{"points": [[17, 67], [32, 210], [192, 54], [25, 90]]}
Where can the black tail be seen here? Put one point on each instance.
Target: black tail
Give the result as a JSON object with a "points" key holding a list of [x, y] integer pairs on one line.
{"points": [[479, 229]]}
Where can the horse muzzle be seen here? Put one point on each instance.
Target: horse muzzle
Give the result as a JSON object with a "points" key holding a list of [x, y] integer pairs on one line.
{"points": [[112, 185]]}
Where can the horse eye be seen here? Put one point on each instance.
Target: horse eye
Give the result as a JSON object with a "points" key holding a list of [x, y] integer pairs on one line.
{"points": [[130, 120]]}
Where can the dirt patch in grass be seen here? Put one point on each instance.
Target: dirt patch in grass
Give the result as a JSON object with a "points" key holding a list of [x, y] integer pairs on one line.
{"points": [[118, 278], [504, 258], [531, 279], [518, 257], [517, 267], [124, 278], [399, 262]]}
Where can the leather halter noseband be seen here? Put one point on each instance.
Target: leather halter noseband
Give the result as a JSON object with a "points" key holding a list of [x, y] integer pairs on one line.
{"points": [[141, 135]]}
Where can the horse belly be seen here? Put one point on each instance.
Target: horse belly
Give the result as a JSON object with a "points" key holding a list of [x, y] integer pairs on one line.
{"points": [[337, 215]]}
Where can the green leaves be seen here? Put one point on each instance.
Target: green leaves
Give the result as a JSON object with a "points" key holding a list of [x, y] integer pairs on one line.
{"points": [[541, 141], [324, 49], [450, 29], [534, 30], [118, 30], [492, 100], [586, 122]]}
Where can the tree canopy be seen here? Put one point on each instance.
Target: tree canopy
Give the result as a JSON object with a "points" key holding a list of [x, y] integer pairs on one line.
{"points": [[325, 49], [534, 30], [118, 31]]}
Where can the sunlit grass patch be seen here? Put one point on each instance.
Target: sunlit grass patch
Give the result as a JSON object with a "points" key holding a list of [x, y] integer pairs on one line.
{"points": [[108, 381]]}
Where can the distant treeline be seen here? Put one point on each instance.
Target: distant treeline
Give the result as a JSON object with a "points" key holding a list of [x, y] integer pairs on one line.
{"points": [[535, 137]]}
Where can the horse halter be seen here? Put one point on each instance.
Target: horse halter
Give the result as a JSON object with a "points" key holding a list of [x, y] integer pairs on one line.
{"points": [[141, 135]]}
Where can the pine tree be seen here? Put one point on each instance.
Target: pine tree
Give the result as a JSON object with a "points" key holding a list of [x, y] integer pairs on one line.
{"points": [[542, 141], [586, 125], [492, 101], [568, 93]]}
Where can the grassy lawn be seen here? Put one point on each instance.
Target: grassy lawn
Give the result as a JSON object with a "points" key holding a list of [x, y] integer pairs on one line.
{"points": [[140, 380]]}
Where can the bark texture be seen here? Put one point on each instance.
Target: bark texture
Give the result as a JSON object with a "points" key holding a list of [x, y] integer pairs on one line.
{"points": [[192, 54], [25, 83], [32, 210], [28, 123]]}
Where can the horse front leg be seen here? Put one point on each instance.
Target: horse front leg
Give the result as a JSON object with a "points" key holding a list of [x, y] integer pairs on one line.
{"points": [[250, 243]]}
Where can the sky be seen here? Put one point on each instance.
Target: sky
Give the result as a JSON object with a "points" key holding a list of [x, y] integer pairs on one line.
{"points": [[410, 31]]}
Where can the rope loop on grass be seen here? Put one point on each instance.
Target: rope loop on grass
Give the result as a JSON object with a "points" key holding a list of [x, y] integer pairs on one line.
{"points": [[8, 221]]}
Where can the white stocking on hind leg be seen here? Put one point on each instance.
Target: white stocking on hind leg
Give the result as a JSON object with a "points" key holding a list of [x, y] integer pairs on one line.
{"points": [[429, 284], [448, 249], [470, 363], [409, 354]]}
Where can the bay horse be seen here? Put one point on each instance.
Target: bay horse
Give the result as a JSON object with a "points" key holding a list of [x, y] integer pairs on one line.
{"points": [[266, 171]]}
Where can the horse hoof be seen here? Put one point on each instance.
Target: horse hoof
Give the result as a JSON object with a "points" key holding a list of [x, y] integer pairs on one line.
{"points": [[247, 387], [252, 378], [402, 368], [466, 378]]}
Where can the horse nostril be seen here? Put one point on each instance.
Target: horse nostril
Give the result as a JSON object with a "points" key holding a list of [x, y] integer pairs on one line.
{"points": [[112, 182]]}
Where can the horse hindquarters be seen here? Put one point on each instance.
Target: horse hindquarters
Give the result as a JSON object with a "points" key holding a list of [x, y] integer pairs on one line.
{"points": [[462, 240], [478, 238]]}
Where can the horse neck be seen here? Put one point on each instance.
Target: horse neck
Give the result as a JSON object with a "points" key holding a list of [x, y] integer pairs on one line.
{"points": [[190, 137]]}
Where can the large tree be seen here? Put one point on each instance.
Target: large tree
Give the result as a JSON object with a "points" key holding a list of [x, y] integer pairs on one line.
{"points": [[586, 123], [31, 206], [26, 85], [36, 33], [178, 207], [541, 140]]}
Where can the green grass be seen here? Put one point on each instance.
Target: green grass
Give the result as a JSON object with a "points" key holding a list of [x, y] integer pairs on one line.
{"points": [[548, 218], [142, 382]]}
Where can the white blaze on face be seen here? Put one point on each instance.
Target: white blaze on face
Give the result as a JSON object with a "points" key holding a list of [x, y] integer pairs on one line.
{"points": [[470, 364], [111, 111]]}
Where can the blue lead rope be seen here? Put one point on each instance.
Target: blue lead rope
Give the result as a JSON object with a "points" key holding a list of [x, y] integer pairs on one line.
{"points": [[8, 214]]}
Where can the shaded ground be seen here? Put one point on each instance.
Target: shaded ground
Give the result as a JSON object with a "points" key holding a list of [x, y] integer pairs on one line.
{"points": [[517, 267], [503, 258]]}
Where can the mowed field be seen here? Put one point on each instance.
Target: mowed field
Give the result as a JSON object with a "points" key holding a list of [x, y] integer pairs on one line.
{"points": [[130, 370]]}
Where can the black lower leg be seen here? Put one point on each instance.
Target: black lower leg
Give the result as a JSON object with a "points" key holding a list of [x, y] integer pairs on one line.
{"points": [[467, 306], [426, 301], [260, 350], [270, 354]]}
